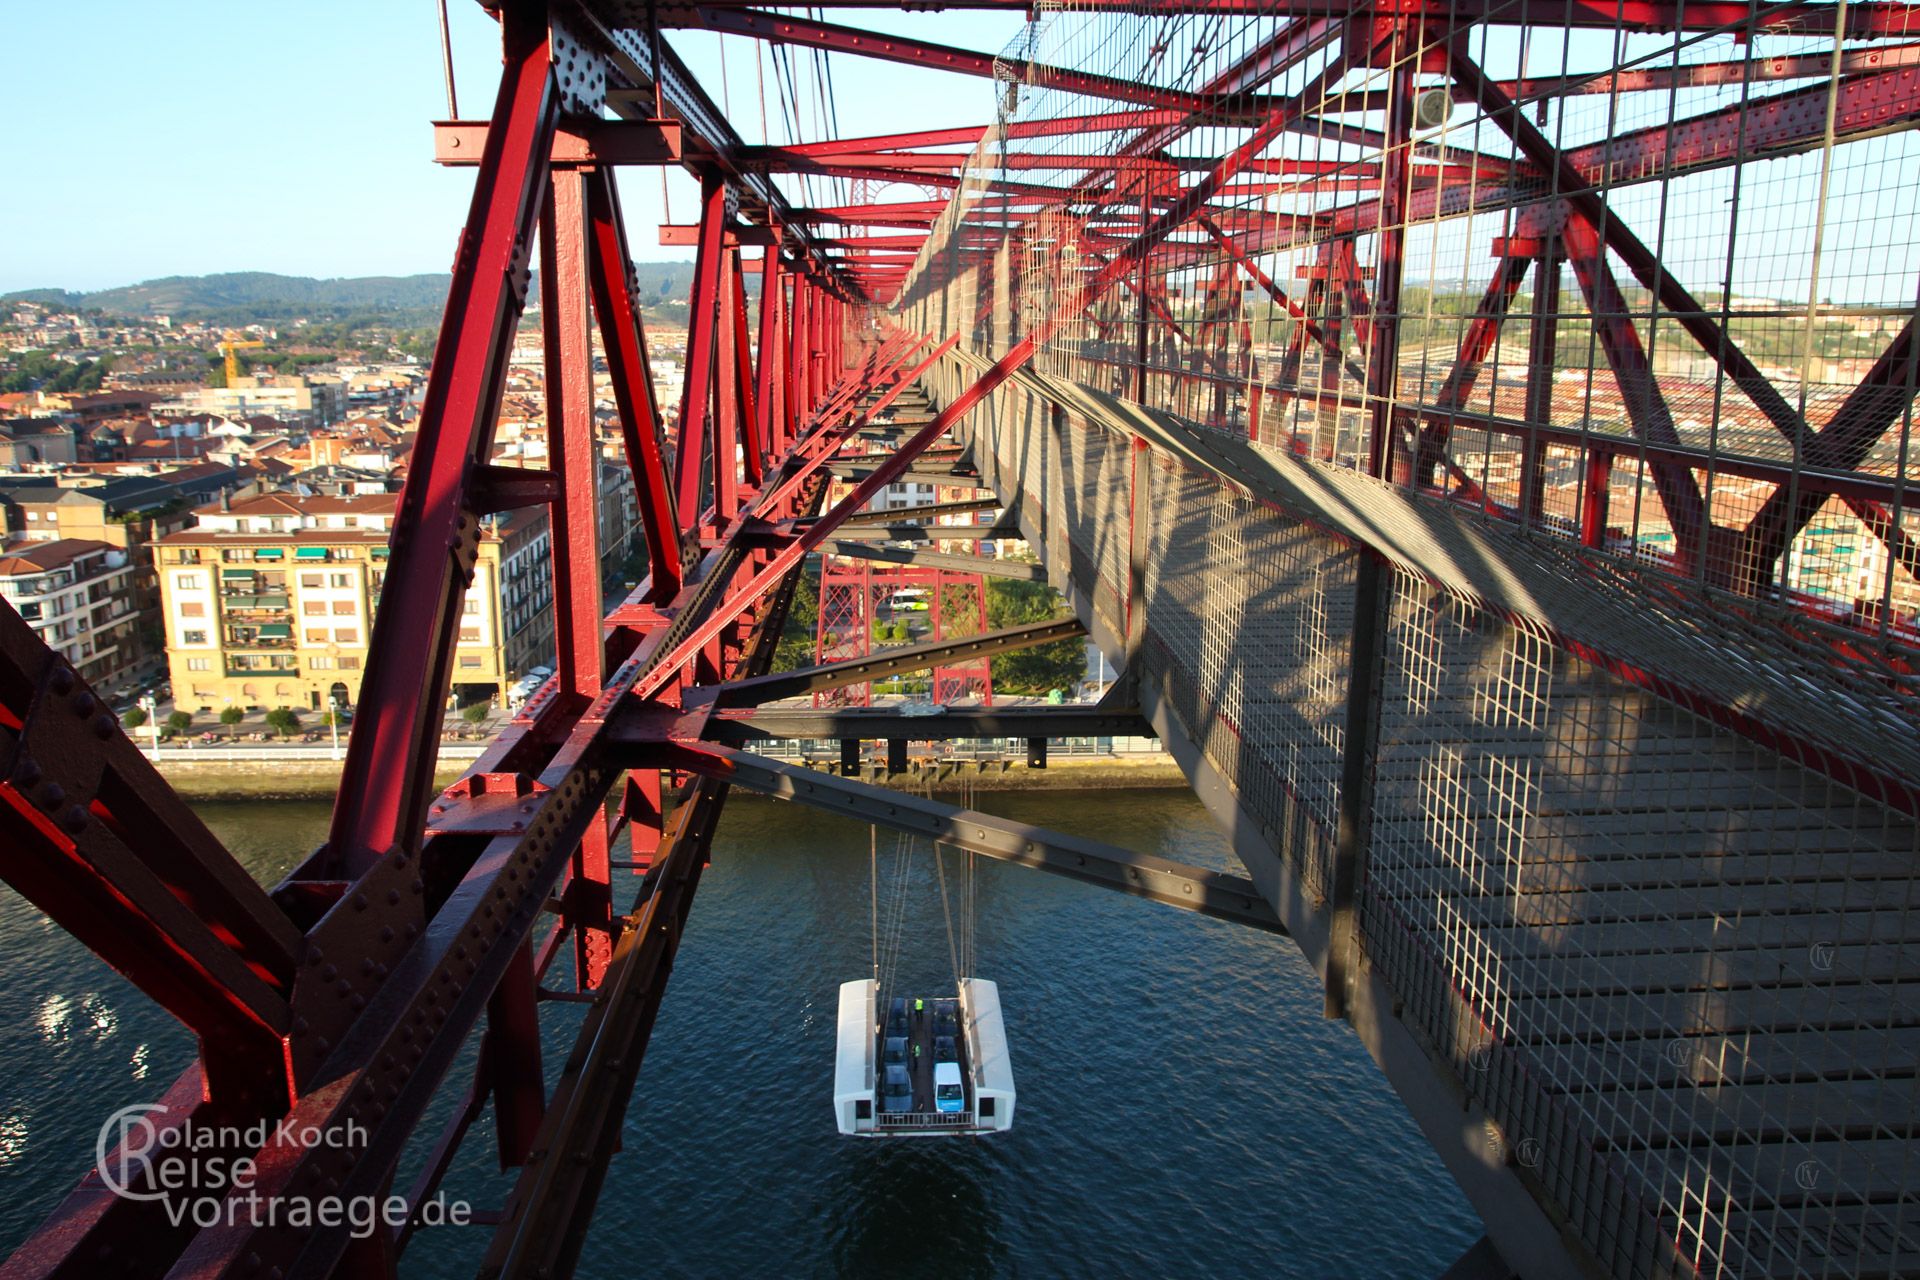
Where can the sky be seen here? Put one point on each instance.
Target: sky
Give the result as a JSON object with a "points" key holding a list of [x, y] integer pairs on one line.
{"points": [[151, 140]]}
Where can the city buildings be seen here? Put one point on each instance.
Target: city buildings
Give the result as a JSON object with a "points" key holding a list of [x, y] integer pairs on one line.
{"points": [[77, 595], [270, 601]]}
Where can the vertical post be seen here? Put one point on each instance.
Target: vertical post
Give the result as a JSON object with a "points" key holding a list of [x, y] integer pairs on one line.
{"points": [[1140, 316], [623, 334], [896, 755], [797, 350], [1036, 753], [849, 757], [753, 439], [1139, 527], [696, 396], [575, 530], [1352, 834], [575, 457], [1542, 334], [1396, 179], [511, 1052], [726, 432], [1595, 498], [767, 385]]}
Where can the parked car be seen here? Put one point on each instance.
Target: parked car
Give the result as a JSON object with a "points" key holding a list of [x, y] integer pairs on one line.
{"points": [[949, 1094], [945, 1050], [897, 1016], [946, 1018], [896, 1090], [893, 1052]]}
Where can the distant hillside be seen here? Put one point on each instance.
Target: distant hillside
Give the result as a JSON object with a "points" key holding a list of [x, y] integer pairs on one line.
{"points": [[260, 296]]}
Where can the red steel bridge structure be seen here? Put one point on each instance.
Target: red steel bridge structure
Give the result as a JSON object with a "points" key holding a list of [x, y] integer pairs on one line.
{"points": [[1479, 431]]}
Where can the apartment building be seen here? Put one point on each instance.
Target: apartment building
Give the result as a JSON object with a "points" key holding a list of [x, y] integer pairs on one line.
{"points": [[270, 601], [78, 596]]}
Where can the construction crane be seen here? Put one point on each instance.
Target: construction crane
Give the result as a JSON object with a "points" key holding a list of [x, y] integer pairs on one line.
{"points": [[233, 344]]}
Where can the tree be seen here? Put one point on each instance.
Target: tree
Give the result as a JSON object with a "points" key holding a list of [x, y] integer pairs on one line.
{"points": [[231, 716], [180, 721], [133, 717], [1059, 665], [795, 649], [284, 721], [474, 714]]}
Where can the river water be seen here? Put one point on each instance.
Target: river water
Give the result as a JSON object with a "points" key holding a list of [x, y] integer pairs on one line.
{"points": [[1183, 1108]]}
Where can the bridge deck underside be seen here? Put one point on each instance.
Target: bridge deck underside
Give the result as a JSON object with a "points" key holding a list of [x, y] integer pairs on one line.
{"points": [[1672, 965]]}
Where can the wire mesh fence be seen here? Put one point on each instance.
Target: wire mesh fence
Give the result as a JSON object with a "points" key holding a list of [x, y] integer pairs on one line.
{"points": [[1596, 323]]}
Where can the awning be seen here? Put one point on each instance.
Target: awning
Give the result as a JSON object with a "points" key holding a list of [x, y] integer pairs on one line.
{"points": [[267, 553], [309, 553], [276, 631], [236, 573]]}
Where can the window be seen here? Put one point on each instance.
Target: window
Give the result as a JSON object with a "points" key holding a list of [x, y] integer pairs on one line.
{"points": [[188, 582], [313, 579], [192, 609], [193, 637], [472, 605], [347, 636], [313, 606], [349, 664], [316, 635], [199, 664], [469, 663], [342, 579], [469, 635], [343, 606], [320, 664]]}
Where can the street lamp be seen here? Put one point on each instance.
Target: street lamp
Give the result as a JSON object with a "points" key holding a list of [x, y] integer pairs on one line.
{"points": [[152, 708]]}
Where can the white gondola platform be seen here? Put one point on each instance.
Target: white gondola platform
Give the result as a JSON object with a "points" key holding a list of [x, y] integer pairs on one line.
{"points": [[986, 1069]]}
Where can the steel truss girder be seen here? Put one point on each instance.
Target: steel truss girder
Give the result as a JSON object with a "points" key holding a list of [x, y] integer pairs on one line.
{"points": [[1018, 570], [739, 728], [1210, 893], [917, 657]]}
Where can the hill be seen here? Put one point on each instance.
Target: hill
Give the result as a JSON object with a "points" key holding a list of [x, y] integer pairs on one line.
{"points": [[248, 297]]}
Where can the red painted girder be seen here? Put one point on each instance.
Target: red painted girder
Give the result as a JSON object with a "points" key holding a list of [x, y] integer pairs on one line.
{"points": [[1863, 20], [623, 335], [1589, 208], [1883, 397], [1761, 70], [388, 777], [968, 135], [753, 443], [787, 158], [696, 393], [838, 39], [1015, 358], [1778, 124]]}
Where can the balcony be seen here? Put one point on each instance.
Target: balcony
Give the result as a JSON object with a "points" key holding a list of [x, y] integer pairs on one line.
{"points": [[263, 600], [253, 673]]}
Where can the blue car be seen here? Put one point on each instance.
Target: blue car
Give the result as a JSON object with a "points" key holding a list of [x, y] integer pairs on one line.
{"points": [[949, 1094], [896, 1091], [897, 1017], [893, 1052]]}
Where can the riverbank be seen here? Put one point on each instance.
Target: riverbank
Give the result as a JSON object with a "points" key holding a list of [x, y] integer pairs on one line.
{"points": [[286, 774]]}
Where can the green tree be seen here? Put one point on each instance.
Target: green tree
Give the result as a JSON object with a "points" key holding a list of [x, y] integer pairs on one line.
{"points": [[133, 717], [180, 721], [796, 647], [284, 721], [1059, 665], [231, 716], [474, 714]]}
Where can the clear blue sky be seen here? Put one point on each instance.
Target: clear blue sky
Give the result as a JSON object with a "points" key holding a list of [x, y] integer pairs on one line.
{"points": [[144, 140]]}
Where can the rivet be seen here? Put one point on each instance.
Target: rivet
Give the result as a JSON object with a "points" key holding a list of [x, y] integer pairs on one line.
{"points": [[83, 705]]}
